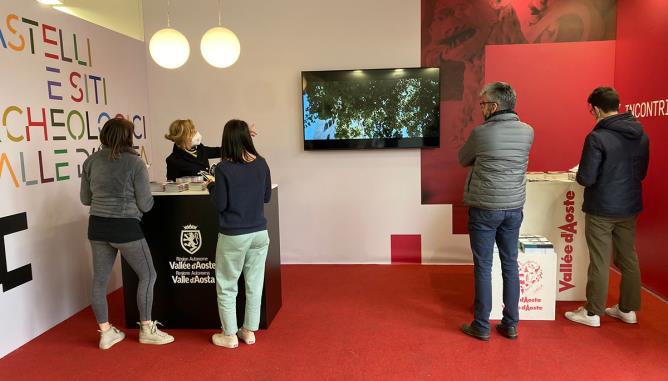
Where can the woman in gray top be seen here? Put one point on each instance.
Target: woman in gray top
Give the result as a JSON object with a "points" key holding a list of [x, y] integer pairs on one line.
{"points": [[115, 185]]}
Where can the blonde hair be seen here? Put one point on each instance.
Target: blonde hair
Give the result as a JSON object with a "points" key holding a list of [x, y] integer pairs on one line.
{"points": [[181, 132]]}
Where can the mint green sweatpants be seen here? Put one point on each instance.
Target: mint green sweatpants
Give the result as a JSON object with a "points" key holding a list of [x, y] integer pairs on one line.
{"points": [[236, 254]]}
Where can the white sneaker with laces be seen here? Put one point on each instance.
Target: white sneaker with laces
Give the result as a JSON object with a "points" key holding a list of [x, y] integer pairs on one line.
{"points": [[580, 316], [626, 317], [110, 337], [150, 334]]}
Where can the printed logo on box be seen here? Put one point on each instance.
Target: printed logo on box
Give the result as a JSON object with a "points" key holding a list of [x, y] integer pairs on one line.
{"points": [[191, 239], [530, 276]]}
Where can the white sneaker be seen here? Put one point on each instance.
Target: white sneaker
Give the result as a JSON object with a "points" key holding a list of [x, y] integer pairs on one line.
{"points": [[227, 341], [246, 336], [150, 334], [626, 317], [110, 337], [580, 316]]}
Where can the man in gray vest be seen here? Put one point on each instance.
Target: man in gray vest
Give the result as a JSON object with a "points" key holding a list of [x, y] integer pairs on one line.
{"points": [[498, 153]]}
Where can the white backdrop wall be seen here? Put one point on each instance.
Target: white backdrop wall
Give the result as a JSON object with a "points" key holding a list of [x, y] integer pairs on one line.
{"points": [[46, 188], [335, 207]]}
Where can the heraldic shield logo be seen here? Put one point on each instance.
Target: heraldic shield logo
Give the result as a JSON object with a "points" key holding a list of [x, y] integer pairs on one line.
{"points": [[191, 239]]}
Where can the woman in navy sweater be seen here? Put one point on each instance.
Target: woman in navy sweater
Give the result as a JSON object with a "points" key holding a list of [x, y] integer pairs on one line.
{"points": [[242, 187]]}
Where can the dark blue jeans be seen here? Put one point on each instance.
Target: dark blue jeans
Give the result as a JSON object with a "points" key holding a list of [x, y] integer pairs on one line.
{"points": [[485, 228]]}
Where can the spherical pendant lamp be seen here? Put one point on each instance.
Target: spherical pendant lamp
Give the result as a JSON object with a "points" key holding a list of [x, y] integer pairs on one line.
{"points": [[220, 47], [169, 48]]}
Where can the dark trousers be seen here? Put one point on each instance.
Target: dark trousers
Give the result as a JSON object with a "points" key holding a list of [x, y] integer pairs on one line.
{"points": [[606, 235], [485, 228]]}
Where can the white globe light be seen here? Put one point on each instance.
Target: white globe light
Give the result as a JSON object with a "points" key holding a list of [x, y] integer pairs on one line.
{"points": [[169, 48], [220, 47]]}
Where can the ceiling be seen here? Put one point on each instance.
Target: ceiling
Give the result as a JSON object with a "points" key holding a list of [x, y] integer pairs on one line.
{"points": [[122, 16]]}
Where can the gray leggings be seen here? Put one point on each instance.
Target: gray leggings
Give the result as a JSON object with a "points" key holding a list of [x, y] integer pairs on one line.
{"points": [[138, 256]]}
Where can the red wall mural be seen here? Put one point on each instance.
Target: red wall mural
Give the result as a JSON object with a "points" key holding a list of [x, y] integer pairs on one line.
{"points": [[641, 79], [455, 34]]}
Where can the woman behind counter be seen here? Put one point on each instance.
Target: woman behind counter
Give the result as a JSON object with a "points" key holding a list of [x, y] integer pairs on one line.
{"points": [[242, 186], [115, 185], [189, 155]]}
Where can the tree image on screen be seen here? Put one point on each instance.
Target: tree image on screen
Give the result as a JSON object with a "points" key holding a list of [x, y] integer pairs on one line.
{"points": [[371, 108]]}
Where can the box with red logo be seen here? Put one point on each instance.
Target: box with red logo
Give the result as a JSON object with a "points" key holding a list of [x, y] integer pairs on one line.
{"points": [[538, 275]]}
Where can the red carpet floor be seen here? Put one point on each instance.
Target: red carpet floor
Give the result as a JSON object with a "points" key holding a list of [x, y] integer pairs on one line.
{"points": [[363, 323]]}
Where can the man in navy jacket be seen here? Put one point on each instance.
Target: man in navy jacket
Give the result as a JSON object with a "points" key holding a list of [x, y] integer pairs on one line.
{"points": [[614, 162]]}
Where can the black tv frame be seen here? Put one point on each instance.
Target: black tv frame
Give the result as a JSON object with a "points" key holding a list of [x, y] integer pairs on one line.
{"points": [[374, 143]]}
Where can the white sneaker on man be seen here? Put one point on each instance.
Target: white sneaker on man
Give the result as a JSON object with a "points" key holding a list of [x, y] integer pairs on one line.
{"points": [[580, 316], [626, 317]]}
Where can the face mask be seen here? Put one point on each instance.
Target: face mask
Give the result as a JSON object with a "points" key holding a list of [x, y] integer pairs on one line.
{"points": [[197, 139]]}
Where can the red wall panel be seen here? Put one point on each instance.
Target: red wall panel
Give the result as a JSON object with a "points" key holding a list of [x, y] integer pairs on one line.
{"points": [[406, 248], [455, 37], [641, 76], [552, 82]]}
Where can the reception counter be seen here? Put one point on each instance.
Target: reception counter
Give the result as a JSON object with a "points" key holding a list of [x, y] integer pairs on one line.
{"points": [[553, 209], [182, 231], [549, 274]]}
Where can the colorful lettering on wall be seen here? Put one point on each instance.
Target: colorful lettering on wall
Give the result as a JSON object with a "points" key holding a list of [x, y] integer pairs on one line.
{"points": [[22, 35], [73, 85]]}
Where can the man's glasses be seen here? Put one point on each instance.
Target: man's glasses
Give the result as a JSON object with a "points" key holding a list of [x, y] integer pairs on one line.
{"points": [[482, 103]]}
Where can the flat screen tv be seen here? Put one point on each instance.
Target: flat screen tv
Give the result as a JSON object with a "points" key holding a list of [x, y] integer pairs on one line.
{"points": [[376, 108]]}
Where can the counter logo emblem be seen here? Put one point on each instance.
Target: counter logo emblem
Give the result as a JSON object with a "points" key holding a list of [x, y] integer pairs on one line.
{"points": [[191, 239]]}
